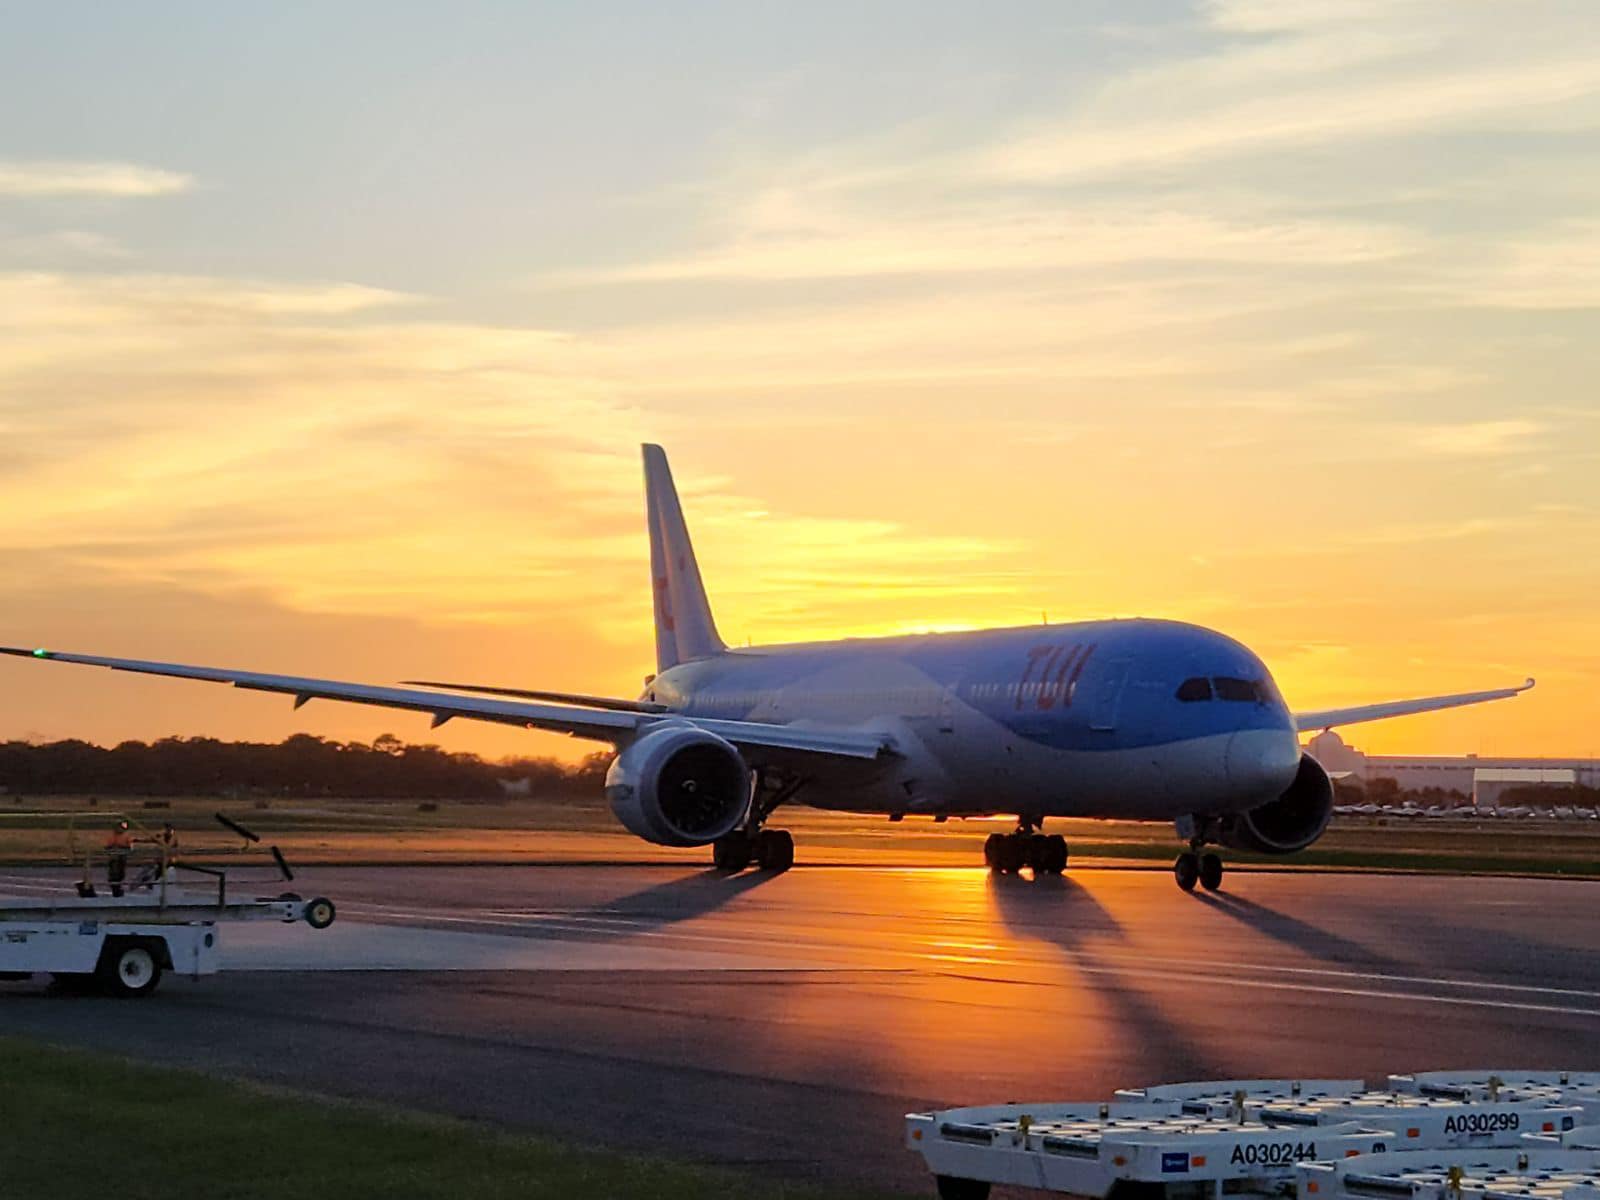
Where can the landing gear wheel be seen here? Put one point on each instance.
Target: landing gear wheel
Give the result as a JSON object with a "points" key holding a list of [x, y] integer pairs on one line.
{"points": [[991, 850], [731, 852], [1187, 870], [953, 1187], [129, 970], [1047, 853], [1210, 872], [1011, 855], [1035, 851], [774, 850]]}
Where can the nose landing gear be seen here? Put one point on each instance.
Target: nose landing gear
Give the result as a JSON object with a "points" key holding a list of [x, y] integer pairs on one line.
{"points": [[1196, 865], [1008, 853], [1193, 867]]}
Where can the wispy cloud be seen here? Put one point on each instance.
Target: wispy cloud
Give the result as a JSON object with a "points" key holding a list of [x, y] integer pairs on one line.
{"points": [[111, 179], [1554, 268], [1480, 438], [1320, 75], [789, 236]]}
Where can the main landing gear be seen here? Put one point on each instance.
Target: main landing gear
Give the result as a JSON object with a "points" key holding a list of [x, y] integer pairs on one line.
{"points": [[1193, 867], [769, 849], [1008, 853]]}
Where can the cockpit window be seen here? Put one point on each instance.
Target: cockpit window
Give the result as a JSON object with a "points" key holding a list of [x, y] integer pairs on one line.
{"points": [[1229, 688], [1198, 688]]}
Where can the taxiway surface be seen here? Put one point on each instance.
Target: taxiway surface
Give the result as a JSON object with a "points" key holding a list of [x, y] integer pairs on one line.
{"points": [[787, 1023]]}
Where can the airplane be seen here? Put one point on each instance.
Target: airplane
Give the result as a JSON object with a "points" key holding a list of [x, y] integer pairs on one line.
{"points": [[1151, 720]]}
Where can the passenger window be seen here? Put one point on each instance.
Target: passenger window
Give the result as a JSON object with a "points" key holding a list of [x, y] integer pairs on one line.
{"points": [[1198, 688], [1229, 688]]}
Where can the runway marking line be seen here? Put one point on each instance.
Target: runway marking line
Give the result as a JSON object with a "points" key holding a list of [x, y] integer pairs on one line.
{"points": [[1368, 993]]}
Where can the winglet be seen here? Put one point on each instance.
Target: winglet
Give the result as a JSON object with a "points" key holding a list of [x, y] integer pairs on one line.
{"points": [[684, 626]]}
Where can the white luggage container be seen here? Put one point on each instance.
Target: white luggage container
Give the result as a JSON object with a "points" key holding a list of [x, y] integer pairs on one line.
{"points": [[1102, 1150], [1537, 1173], [1554, 1087]]}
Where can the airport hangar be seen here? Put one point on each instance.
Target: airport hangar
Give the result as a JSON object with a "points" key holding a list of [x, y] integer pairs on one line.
{"points": [[1483, 777]]}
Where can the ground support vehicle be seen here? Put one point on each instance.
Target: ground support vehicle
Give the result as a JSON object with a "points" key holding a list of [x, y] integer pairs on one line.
{"points": [[122, 945], [1207, 1139]]}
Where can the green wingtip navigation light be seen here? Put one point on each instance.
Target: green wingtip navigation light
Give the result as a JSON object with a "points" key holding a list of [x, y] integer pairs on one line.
{"points": [[41, 653]]}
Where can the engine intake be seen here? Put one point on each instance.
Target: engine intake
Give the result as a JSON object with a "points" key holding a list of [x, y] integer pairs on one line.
{"points": [[1291, 822], [679, 786]]}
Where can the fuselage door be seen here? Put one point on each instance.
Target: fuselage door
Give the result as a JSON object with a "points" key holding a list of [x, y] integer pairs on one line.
{"points": [[1107, 694], [947, 709]]}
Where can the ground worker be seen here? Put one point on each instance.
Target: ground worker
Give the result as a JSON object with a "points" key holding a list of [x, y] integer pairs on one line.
{"points": [[118, 846]]}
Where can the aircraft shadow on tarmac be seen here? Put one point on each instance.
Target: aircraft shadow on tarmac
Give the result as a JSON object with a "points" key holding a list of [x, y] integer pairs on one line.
{"points": [[1058, 910], [679, 899], [1456, 945], [1301, 935]]}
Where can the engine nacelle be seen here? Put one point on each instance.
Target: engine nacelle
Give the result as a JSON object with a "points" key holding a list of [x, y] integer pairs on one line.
{"points": [[1291, 822], [679, 786]]}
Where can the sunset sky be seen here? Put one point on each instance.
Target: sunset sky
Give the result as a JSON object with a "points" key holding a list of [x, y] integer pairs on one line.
{"points": [[329, 332]]}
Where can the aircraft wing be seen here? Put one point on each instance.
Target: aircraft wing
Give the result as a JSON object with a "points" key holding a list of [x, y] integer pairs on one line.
{"points": [[1329, 717], [603, 725]]}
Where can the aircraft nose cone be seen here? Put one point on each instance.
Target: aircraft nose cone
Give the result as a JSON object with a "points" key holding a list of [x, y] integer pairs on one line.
{"points": [[1262, 761]]}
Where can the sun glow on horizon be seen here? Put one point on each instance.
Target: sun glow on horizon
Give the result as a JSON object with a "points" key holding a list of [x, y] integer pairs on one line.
{"points": [[1229, 315]]}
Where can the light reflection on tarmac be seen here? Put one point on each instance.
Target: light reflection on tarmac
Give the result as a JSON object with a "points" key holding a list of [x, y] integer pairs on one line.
{"points": [[786, 1022]]}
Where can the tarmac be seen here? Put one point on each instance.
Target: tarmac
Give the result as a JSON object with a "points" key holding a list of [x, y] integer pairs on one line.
{"points": [[785, 1024]]}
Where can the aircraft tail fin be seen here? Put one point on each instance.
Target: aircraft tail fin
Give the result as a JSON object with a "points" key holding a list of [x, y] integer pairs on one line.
{"points": [[684, 627]]}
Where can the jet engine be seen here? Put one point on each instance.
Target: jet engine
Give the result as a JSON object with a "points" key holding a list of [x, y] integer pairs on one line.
{"points": [[1291, 822], [679, 786]]}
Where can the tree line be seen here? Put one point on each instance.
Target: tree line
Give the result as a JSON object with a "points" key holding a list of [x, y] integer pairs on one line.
{"points": [[301, 765]]}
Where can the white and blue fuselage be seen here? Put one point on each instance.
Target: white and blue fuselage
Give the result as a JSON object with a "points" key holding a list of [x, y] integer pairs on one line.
{"points": [[1144, 719]]}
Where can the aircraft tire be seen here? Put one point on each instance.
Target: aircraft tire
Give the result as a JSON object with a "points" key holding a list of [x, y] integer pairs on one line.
{"points": [[1012, 854], [731, 852], [991, 851], [774, 850], [1036, 852], [1055, 854], [1187, 870], [1210, 872]]}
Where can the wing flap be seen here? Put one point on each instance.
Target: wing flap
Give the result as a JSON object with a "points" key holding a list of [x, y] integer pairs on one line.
{"points": [[1329, 717], [582, 699]]}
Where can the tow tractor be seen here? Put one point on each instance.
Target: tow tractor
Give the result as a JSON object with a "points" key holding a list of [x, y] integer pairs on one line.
{"points": [[121, 944], [1251, 1137]]}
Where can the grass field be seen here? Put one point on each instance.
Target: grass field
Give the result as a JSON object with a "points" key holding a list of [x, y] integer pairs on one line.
{"points": [[548, 831], [78, 1126]]}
